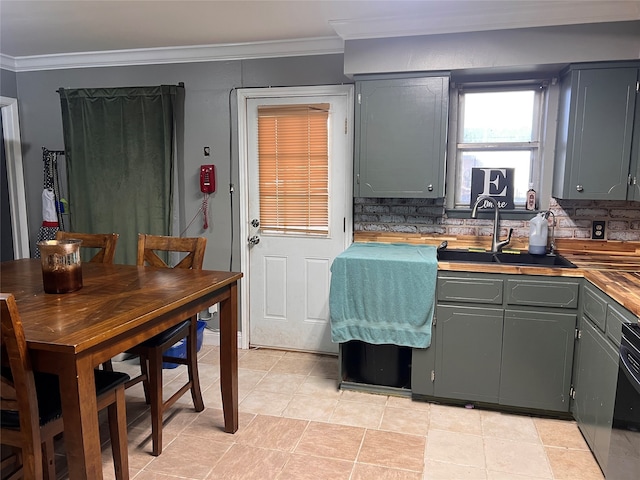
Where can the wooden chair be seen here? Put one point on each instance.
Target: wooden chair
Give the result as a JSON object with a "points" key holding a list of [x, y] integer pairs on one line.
{"points": [[105, 242], [31, 405], [151, 351]]}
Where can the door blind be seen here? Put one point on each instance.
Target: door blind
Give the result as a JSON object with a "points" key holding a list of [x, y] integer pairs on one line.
{"points": [[293, 166]]}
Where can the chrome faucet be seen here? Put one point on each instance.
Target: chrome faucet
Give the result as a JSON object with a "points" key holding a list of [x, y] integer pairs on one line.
{"points": [[496, 244]]}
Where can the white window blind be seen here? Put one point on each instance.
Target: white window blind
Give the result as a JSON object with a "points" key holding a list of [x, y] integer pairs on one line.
{"points": [[293, 162]]}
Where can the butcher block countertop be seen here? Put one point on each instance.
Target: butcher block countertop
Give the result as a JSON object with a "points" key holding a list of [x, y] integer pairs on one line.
{"points": [[623, 287], [612, 266]]}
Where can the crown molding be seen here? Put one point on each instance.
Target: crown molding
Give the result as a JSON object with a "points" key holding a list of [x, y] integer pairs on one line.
{"points": [[165, 55], [7, 62], [492, 16]]}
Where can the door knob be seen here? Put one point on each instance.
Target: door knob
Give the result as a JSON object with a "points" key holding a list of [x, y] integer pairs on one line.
{"points": [[579, 188], [255, 223], [254, 240]]}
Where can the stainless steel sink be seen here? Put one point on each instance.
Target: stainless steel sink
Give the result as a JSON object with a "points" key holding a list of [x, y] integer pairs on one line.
{"points": [[525, 259]]}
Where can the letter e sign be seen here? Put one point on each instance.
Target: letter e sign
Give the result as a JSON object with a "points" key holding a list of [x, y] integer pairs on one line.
{"points": [[494, 182]]}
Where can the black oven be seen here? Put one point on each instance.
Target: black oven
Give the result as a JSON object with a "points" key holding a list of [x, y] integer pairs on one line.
{"points": [[624, 449]]}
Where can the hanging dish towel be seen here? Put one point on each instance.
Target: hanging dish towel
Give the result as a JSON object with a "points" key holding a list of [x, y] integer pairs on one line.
{"points": [[383, 294]]}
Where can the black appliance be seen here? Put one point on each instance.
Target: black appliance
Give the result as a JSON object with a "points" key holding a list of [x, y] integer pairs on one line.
{"points": [[624, 449]]}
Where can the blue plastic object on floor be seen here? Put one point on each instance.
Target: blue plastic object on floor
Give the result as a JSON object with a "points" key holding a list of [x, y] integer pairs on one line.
{"points": [[179, 350]]}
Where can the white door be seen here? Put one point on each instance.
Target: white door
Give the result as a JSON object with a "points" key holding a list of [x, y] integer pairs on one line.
{"points": [[289, 258]]}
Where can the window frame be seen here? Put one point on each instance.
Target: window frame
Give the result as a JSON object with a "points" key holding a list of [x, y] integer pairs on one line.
{"points": [[541, 170]]}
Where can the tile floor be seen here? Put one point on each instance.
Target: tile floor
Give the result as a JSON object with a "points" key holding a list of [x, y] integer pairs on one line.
{"points": [[296, 424]]}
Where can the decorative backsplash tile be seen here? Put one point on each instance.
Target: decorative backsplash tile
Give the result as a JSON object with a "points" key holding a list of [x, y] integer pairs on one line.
{"points": [[427, 216]]}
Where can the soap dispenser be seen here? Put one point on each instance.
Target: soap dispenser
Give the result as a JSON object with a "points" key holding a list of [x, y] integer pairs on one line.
{"points": [[538, 231]]}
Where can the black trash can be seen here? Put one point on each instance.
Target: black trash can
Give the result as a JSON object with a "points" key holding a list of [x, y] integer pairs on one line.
{"points": [[384, 365]]}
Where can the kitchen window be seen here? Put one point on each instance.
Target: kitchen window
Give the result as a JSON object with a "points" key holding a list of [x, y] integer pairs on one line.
{"points": [[495, 127]]}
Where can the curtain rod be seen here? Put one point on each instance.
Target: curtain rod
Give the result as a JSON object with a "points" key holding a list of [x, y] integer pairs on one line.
{"points": [[57, 152], [180, 84]]}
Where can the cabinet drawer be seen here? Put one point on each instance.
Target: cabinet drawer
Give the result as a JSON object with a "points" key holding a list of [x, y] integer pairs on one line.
{"points": [[616, 316], [470, 290], [542, 293], [594, 306]]}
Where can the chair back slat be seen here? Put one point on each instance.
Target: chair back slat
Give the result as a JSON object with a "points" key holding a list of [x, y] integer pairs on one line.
{"points": [[23, 384], [194, 247], [8, 395], [104, 242]]}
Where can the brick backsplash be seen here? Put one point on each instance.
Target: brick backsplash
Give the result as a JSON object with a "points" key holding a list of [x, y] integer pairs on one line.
{"points": [[427, 216]]}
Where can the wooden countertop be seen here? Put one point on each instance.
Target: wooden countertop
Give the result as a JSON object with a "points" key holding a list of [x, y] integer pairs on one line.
{"points": [[623, 287], [612, 266]]}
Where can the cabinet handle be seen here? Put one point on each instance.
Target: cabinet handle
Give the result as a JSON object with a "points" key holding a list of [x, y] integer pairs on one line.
{"points": [[579, 188], [430, 187]]}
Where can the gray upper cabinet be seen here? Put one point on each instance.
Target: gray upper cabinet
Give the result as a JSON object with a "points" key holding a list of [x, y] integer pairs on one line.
{"points": [[634, 193], [595, 130], [401, 134]]}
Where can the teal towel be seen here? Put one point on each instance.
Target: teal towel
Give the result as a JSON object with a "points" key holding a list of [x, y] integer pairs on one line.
{"points": [[383, 293]]}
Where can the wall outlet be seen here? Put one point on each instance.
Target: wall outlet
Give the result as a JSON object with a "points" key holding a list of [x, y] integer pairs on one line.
{"points": [[598, 229]]}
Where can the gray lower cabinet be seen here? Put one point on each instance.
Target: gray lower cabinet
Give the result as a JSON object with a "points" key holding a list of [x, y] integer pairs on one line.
{"points": [[596, 367], [595, 386], [501, 339], [400, 136], [468, 346], [537, 359]]}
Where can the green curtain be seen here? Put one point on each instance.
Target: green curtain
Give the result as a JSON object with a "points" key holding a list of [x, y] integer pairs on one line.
{"points": [[119, 145]]}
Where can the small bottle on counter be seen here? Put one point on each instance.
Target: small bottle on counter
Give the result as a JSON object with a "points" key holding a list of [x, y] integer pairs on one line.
{"points": [[531, 198]]}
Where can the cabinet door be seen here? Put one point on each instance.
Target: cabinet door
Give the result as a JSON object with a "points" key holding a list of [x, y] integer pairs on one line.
{"points": [[594, 141], [468, 347], [537, 358], [423, 364], [401, 127], [634, 192], [616, 316], [634, 188], [595, 387]]}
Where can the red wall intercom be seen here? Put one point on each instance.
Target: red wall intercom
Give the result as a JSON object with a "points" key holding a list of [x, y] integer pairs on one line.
{"points": [[207, 178]]}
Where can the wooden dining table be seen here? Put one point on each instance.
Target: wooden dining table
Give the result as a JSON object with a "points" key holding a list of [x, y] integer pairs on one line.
{"points": [[118, 307]]}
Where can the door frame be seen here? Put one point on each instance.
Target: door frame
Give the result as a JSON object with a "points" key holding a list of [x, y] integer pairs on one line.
{"points": [[15, 177], [243, 95]]}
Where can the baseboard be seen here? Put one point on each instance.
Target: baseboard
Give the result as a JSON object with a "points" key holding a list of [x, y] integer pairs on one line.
{"points": [[212, 337]]}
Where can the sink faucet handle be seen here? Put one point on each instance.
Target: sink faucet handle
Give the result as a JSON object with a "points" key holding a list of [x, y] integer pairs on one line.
{"points": [[500, 245]]}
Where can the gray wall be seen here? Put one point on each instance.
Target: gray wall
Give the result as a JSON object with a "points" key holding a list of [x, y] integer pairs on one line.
{"points": [[8, 84], [207, 92], [507, 50], [8, 88]]}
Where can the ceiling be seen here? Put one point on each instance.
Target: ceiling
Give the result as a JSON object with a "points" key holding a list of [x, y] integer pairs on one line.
{"points": [[33, 28]]}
